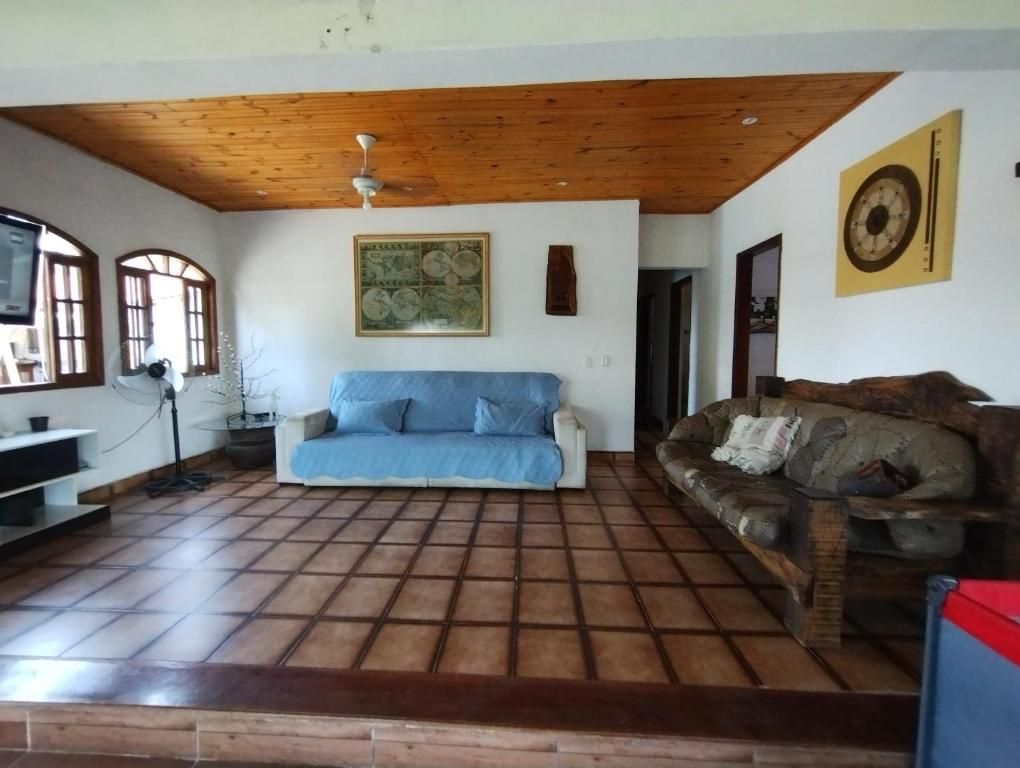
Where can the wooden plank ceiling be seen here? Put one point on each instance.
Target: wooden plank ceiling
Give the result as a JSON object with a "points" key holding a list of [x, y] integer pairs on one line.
{"points": [[677, 145]]}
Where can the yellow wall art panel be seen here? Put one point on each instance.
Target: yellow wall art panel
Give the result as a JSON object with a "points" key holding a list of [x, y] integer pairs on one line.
{"points": [[896, 211]]}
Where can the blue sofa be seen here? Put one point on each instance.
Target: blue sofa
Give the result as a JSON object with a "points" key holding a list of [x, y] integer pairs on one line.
{"points": [[437, 447]]}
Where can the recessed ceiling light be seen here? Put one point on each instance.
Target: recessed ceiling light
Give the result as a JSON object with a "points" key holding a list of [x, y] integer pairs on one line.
{"points": [[561, 183], [749, 120], [261, 192]]}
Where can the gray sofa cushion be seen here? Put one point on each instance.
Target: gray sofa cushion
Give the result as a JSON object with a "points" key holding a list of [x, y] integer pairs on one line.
{"points": [[816, 439], [755, 508], [940, 463], [711, 425]]}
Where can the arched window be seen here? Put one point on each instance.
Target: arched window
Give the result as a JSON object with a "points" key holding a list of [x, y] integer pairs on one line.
{"points": [[61, 343], [167, 299]]}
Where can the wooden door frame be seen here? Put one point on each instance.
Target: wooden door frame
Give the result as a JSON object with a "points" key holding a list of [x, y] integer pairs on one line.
{"points": [[742, 311], [673, 353]]}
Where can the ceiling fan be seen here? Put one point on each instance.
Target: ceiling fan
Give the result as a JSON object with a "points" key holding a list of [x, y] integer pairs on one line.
{"points": [[368, 185]]}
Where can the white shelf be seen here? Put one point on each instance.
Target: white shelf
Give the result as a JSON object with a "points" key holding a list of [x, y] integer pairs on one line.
{"points": [[88, 443], [59, 505], [40, 484], [26, 439]]}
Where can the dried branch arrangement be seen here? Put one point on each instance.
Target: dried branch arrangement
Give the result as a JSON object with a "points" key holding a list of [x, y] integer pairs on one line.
{"points": [[239, 379]]}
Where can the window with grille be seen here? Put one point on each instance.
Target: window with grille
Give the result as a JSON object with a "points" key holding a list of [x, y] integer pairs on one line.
{"points": [[167, 299], [63, 346]]}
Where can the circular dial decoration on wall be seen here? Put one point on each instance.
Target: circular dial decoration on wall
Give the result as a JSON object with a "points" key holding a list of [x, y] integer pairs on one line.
{"points": [[881, 219]]}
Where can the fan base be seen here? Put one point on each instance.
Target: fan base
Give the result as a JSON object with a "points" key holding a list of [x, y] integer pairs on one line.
{"points": [[189, 481]]}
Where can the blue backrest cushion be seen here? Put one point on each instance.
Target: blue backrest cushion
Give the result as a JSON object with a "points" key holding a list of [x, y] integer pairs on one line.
{"points": [[509, 418], [370, 417], [444, 401]]}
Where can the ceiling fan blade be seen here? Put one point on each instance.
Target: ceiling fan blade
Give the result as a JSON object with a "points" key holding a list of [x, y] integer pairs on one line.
{"points": [[418, 188]]}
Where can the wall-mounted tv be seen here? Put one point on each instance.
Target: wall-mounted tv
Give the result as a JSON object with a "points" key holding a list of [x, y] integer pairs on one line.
{"points": [[19, 269]]}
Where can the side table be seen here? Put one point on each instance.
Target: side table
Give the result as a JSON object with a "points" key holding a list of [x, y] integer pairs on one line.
{"points": [[251, 442]]}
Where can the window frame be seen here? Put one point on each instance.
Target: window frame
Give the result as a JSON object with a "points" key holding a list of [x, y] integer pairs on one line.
{"points": [[208, 288], [95, 370]]}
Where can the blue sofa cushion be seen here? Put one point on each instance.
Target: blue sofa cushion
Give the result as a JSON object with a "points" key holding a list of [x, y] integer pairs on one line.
{"points": [[444, 401], [370, 417], [533, 460], [509, 419]]}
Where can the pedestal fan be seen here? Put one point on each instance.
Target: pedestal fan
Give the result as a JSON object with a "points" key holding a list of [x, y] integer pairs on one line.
{"points": [[155, 382]]}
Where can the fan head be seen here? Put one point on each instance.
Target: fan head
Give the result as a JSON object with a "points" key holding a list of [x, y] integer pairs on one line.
{"points": [[148, 383], [368, 186], [365, 183]]}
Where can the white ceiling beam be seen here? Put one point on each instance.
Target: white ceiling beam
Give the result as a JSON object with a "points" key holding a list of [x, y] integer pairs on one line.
{"points": [[704, 57], [235, 70], [85, 32]]}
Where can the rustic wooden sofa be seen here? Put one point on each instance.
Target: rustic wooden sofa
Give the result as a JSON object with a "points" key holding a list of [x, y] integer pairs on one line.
{"points": [[814, 558]]}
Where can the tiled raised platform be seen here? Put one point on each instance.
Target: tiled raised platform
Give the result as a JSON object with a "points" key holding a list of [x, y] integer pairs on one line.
{"points": [[573, 628], [613, 583]]}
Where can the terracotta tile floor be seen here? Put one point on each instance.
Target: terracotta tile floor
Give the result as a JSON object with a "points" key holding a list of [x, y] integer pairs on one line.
{"points": [[612, 583]]}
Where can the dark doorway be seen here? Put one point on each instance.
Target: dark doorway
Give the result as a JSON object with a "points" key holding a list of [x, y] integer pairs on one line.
{"points": [[678, 383], [756, 330], [644, 361]]}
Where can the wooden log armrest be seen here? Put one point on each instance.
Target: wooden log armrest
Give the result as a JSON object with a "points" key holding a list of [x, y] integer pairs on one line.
{"points": [[818, 548], [962, 510]]}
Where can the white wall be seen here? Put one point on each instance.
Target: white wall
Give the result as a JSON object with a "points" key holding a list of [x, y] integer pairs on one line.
{"points": [[967, 326], [112, 212], [292, 279], [674, 241], [761, 350]]}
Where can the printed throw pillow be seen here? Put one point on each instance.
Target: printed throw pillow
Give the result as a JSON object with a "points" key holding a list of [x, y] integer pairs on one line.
{"points": [[509, 418], [758, 445], [371, 417]]}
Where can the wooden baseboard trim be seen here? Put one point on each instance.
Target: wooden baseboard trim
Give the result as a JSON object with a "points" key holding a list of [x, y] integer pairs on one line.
{"points": [[109, 705], [610, 457], [104, 493]]}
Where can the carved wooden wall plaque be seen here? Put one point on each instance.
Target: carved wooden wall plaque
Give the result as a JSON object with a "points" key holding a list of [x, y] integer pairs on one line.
{"points": [[561, 281]]}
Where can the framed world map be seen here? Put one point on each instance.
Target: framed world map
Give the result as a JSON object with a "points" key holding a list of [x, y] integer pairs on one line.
{"points": [[421, 285]]}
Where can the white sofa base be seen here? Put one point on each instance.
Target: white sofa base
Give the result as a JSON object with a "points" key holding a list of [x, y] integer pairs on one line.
{"points": [[420, 482], [570, 435]]}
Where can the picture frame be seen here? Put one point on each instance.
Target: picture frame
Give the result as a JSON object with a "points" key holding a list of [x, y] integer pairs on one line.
{"points": [[421, 284], [897, 210]]}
